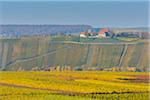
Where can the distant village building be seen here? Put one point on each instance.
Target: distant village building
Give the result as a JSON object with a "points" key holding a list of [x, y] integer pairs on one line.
{"points": [[84, 34], [103, 33]]}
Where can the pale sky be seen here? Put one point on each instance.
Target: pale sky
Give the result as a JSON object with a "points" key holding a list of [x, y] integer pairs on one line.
{"points": [[97, 13]]}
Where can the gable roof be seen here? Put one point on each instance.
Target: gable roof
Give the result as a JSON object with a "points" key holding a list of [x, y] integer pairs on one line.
{"points": [[104, 30]]}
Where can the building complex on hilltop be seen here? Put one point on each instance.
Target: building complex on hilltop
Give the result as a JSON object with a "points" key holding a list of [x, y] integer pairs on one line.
{"points": [[103, 33]]}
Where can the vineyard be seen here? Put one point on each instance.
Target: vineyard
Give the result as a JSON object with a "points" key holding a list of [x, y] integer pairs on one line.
{"points": [[72, 85], [44, 52]]}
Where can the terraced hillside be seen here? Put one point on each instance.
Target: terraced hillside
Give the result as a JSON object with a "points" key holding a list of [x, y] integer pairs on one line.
{"points": [[43, 52]]}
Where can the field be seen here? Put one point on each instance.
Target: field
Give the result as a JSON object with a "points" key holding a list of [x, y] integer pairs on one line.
{"points": [[74, 85]]}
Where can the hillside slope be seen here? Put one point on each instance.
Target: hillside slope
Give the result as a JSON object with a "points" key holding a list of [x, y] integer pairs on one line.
{"points": [[30, 53]]}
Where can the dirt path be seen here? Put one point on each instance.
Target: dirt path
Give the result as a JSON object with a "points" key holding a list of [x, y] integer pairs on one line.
{"points": [[123, 55], [109, 43], [54, 91], [35, 57]]}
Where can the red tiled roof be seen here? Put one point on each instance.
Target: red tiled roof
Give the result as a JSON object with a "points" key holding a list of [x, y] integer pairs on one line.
{"points": [[103, 31]]}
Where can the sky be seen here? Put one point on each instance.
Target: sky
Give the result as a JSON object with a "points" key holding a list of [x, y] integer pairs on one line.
{"points": [[97, 13]]}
